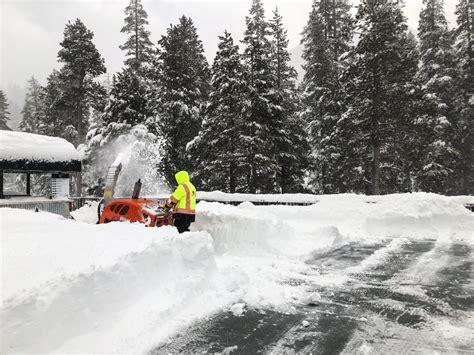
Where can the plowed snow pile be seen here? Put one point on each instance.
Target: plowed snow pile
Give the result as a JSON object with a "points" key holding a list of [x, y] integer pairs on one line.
{"points": [[71, 286]]}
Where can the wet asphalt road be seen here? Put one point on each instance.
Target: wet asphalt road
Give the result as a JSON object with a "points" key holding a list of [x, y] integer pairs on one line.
{"points": [[384, 309]]}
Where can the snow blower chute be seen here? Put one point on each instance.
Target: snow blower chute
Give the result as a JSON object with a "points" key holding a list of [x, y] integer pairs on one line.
{"points": [[134, 209]]}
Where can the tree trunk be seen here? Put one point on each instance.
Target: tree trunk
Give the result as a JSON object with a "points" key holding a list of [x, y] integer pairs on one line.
{"points": [[136, 36], [376, 169], [231, 178]]}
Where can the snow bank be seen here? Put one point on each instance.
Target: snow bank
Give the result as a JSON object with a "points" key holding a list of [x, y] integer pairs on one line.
{"points": [[218, 196], [87, 213], [240, 230], [62, 279], [29, 146], [69, 286]]}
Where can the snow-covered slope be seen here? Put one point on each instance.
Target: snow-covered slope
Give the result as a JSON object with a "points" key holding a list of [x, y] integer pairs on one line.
{"points": [[70, 286]]}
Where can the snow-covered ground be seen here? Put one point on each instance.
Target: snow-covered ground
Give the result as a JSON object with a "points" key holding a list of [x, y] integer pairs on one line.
{"points": [[74, 286]]}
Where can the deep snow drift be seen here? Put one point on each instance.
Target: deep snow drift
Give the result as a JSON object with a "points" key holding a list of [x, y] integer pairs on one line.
{"points": [[72, 286]]}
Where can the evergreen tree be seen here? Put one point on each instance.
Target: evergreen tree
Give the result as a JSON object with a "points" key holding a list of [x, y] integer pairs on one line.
{"points": [[464, 98], [138, 47], [437, 77], [404, 149], [378, 82], [4, 112], [218, 147], [183, 75], [33, 109], [56, 120], [133, 96], [261, 103], [288, 129], [82, 63], [326, 37], [127, 100]]}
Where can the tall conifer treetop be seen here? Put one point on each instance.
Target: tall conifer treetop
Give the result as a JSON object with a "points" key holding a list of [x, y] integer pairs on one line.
{"points": [[326, 37], [138, 47], [4, 113], [183, 74], [261, 101], [437, 76], [218, 149], [78, 53], [33, 110]]}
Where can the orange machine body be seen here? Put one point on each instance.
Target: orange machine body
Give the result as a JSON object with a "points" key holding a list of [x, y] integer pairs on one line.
{"points": [[140, 210]]}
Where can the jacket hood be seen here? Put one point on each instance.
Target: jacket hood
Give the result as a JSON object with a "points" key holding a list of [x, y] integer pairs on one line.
{"points": [[181, 177]]}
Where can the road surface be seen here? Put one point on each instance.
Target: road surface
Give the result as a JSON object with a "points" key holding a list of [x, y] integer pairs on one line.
{"points": [[419, 299]]}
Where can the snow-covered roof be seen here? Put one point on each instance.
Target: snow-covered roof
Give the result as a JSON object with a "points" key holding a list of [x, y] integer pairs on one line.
{"points": [[20, 151]]}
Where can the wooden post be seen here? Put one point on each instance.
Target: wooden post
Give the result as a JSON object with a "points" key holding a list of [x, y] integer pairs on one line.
{"points": [[28, 184]]}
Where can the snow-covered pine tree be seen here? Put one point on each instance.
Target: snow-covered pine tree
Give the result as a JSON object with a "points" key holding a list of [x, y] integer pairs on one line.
{"points": [[261, 103], [218, 148], [377, 81], [183, 75], [132, 94], [138, 47], [127, 99], [464, 98], [405, 146], [4, 113], [437, 76], [56, 121], [82, 63], [288, 129], [33, 109], [326, 38]]}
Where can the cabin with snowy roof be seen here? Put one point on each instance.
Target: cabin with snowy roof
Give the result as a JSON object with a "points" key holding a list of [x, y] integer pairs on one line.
{"points": [[26, 154]]}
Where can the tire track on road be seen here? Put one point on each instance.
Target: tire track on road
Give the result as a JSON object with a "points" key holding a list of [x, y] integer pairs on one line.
{"points": [[330, 323]]}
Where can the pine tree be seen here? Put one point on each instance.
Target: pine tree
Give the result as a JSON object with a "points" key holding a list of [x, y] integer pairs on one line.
{"points": [[33, 109], [138, 47], [464, 98], [56, 121], [326, 38], [288, 129], [405, 146], [4, 112], [82, 63], [377, 82], [183, 75], [437, 77], [218, 148], [261, 103], [127, 100]]}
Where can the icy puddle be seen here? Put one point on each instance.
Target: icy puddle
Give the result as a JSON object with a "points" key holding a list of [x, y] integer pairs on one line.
{"points": [[369, 312]]}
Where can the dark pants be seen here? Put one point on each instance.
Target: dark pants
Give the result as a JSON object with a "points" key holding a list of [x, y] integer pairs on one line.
{"points": [[183, 221]]}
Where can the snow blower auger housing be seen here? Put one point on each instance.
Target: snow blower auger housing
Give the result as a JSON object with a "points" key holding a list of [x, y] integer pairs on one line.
{"points": [[134, 209], [140, 210]]}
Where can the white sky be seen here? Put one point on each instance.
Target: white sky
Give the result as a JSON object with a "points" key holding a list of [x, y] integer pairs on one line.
{"points": [[32, 29]]}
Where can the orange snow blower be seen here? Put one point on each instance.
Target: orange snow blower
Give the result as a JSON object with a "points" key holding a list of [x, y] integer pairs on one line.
{"points": [[134, 209]]}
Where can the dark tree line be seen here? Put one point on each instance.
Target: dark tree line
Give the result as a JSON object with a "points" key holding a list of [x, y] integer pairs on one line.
{"points": [[377, 111], [387, 113]]}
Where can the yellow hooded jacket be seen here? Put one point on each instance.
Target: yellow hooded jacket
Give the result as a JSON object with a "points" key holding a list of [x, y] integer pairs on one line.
{"points": [[184, 197]]}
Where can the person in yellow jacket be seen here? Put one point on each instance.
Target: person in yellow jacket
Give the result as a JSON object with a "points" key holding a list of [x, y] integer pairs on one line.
{"points": [[183, 202]]}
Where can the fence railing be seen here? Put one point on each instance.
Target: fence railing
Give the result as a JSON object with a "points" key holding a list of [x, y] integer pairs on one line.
{"points": [[63, 207], [60, 207]]}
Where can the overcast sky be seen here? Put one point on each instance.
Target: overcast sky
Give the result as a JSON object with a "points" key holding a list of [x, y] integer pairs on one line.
{"points": [[32, 29]]}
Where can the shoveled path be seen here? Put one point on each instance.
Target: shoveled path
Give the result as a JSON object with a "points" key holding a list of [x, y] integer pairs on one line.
{"points": [[383, 309]]}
